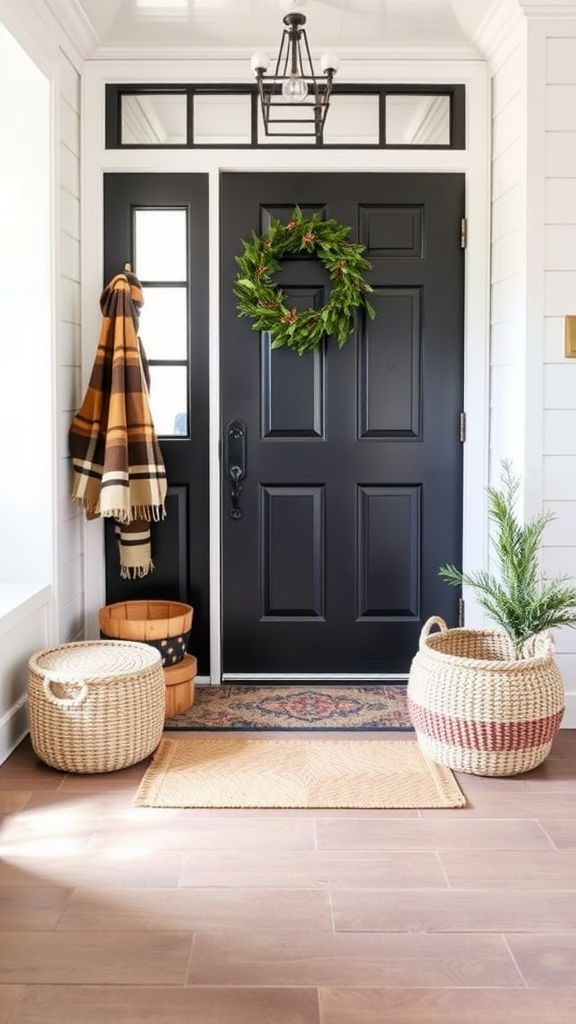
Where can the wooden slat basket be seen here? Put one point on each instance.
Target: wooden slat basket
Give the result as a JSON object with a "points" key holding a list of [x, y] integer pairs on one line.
{"points": [[179, 680], [165, 625]]}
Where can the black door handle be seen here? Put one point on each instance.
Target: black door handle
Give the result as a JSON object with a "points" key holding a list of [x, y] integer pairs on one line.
{"points": [[236, 463]]}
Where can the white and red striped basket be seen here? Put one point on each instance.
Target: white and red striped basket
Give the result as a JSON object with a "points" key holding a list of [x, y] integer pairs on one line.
{"points": [[475, 709]]}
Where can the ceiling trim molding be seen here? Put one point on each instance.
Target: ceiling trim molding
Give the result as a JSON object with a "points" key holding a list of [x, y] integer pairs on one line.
{"points": [[499, 29], [222, 56], [506, 18], [75, 24], [550, 9]]}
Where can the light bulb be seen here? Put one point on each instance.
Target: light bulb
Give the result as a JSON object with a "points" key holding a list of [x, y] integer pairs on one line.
{"points": [[329, 62], [260, 61], [295, 89]]}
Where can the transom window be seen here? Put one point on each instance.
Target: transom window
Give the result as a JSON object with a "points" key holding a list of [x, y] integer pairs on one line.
{"points": [[202, 116]]}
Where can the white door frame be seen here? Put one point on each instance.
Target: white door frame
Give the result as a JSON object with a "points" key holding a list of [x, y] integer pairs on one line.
{"points": [[474, 162]]}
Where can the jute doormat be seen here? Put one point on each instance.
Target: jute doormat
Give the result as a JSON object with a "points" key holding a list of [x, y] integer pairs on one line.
{"points": [[233, 771]]}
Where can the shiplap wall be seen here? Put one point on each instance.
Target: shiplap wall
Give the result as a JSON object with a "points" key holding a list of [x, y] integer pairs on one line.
{"points": [[533, 287], [559, 430], [57, 613], [69, 539], [508, 265], [33, 24]]}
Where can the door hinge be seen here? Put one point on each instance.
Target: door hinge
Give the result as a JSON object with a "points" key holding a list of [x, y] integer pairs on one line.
{"points": [[461, 612], [462, 427], [463, 232]]}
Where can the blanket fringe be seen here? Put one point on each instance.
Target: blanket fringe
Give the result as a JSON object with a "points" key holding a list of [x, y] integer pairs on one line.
{"points": [[136, 572], [154, 513], [89, 507], [146, 512]]}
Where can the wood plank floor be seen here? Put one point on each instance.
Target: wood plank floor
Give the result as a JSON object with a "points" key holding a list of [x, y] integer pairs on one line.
{"points": [[111, 914]]}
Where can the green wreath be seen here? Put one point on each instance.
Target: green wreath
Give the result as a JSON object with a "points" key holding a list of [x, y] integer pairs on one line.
{"points": [[262, 299]]}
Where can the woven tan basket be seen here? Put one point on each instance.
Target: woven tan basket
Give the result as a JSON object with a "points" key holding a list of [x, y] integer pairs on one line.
{"points": [[165, 625], [95, 706], [475, 709]]}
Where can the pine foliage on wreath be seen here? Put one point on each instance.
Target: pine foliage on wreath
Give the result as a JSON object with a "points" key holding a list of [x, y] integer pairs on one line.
{"points": [[262, 299]]}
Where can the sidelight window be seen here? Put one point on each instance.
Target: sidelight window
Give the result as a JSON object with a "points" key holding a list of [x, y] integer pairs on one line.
{"points": [[161, 263]]}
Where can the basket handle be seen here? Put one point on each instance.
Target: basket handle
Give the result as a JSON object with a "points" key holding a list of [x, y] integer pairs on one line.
{"points": [[434, 620], [67, 702], [540, 646], [548, 644]]}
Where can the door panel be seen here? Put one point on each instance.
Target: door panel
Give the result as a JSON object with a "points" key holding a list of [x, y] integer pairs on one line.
{"points": [[292, 576], [390, 374], [352, 496], [180, 543], [388, 526]]}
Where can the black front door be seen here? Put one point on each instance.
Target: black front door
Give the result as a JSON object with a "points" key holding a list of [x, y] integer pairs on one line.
{"points": [[352, 496]]}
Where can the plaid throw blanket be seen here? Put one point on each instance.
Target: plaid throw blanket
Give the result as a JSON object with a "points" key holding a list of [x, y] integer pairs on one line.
{"points": [[118, 469]]}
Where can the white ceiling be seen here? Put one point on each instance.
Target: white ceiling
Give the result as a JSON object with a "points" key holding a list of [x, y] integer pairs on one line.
{"points": [[141, 27]]}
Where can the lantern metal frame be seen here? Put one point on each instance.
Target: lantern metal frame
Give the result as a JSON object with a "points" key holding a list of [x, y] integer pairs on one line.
{"points": [[294, 61]]}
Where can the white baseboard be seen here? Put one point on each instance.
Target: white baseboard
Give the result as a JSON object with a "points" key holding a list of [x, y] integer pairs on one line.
{"points": [[13, 728]]}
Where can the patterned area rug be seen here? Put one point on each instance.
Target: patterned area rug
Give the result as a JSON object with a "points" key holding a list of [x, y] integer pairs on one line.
{"points": [[291, 707]]}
